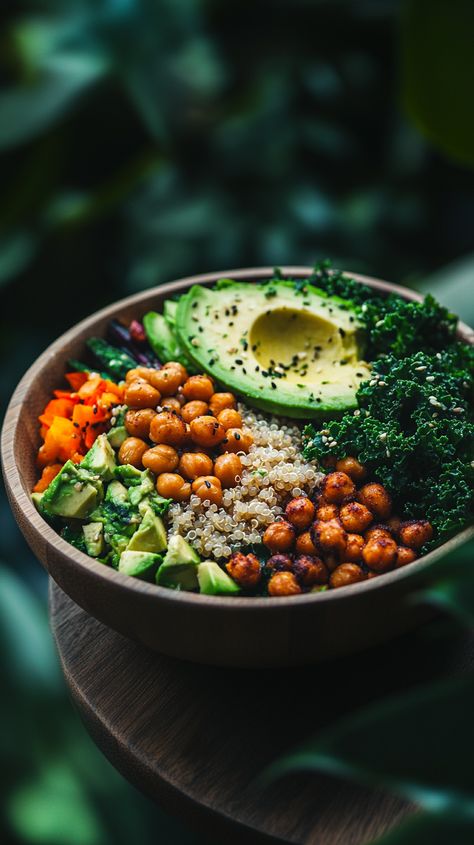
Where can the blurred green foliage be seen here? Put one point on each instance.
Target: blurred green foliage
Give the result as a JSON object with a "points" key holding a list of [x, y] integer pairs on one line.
{"points": [[142, 140]]}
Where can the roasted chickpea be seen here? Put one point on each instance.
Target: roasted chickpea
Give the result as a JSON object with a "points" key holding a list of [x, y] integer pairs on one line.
{"points": [[228, 469], [332, 561], [310, 570], [229, 418], [194, 409], [346, 573], [326, 512], [167, 380], [329, 536], [244, 569], [355, 517], [415, 533], [337, 486], [195, 464], [208, 487], [304, 544], [355, 544], [168, 427], [161, 458], [178, 368], [198, 387], [380, 553], [140, 394], [219, 401], [279, 536], [207, 432], [300, 512], [136, 374], [236, 440], [279, 563], [173, 486], [404, 556], [378, 531], [352, 468], [376, 498], [394, 524], [171, 404], [138, 421], [283, 584], [132, 451]]}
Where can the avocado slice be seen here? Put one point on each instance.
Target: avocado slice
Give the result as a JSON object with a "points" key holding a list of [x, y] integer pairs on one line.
{"points": [[100, 459], [170, 307], [150, 535], [117, 435], [116, 492], [161, 336], [139, 564], [73, 493], [179, 567], [94, 538], [288, 350], [213, 581]]}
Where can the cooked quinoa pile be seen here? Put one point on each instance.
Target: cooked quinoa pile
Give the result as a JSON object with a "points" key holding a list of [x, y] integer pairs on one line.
{"points": [[274, 470]]}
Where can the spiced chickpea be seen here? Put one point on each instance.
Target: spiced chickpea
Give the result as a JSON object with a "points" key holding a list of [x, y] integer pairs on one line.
{"points": [[283, 584], [236, 440], [170, 403], [136, 374], [198, 387], [140, 394], [244, 569], [346, 573], [415, 533], [178, 368], [191, 410], [138, 421], [325, 512], [394, 524], [208, 488], [355, 517], [329, 536], [355, 544], [195, 464], [376, 498], [404, 556], [230, 418], [300, 512], [377, 531], [219, 401], [279, 536], [168, 427], [304, 544], [161, 458], [337, 486], [228, 469], [170, 485], [279, 563], [380, 553], [167, 380], [207, 432], [310, 570], [131, 451], [352, 468]]}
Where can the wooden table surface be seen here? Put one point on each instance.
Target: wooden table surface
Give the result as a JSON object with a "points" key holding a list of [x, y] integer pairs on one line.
{"points": [[195, 738]]}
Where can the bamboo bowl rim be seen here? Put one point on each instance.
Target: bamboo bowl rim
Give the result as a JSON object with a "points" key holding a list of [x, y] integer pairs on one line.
{"points": [[41, 531]]}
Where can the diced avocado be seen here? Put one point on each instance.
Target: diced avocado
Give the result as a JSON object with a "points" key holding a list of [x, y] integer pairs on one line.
{"points": [[37, 498], [116, 492], [73, 493], [117, 435], [94, 538], [146, 486], [150, 535], [179, 567], [213, 581], [139, 564], [130, 475], [157, 503], [288, 349], [100, 459]]}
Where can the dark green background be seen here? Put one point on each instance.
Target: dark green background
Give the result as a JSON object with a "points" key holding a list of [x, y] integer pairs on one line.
{"points": [[142, 141]]}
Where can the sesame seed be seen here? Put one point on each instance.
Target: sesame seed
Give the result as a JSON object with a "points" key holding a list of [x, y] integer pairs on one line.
{"points": [[430, 378]]}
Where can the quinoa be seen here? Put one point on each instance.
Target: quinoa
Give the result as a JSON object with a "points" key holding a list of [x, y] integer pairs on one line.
{"points": [[273, 471]]}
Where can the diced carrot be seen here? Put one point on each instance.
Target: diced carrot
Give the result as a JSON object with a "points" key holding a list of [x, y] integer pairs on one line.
{"points": [[66, 436], [76, 457], [111, 387], [49, 472], [44, 431], [56, 408], [92, 433], [76, 380], [85, 415], [90, 387], [109, 399]]}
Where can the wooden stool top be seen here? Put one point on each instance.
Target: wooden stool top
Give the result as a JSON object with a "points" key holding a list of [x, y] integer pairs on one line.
{"points": [[195, 738]]}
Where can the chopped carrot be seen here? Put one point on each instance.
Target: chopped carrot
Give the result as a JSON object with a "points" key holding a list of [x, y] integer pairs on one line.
{"points": [[89, 389], [49, 472], [76, 380], [56, 408]]}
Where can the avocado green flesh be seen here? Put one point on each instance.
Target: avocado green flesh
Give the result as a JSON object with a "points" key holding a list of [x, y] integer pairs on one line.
{"points": [[139, 564], [72, 493], [180, 566], [289, 352], [213, 581], [150, 536]]}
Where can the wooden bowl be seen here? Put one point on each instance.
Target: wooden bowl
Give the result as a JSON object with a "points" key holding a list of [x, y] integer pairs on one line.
{"points": [[206, 629]]}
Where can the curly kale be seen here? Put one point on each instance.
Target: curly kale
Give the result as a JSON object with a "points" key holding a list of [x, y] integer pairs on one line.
{"points": [[414, 430]]}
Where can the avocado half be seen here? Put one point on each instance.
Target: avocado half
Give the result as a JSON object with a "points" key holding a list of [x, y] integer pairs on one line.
{"points": [[289, 350]]}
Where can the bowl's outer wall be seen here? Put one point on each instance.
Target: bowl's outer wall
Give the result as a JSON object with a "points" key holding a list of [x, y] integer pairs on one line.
{"points": [[214, 630]]}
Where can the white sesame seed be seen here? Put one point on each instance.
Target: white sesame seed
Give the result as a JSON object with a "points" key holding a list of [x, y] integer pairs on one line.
{"points": [[458, 410], [430, 378], [379, 323], [195, 342], [382, 384], [420, 369], [302, 355], [383, 436], [324, 438], [357, 413], [332, 444]]}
